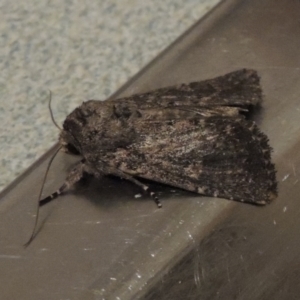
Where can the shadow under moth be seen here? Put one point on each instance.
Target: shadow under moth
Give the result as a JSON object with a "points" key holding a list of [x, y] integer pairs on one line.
{"points": [[192, 136]]}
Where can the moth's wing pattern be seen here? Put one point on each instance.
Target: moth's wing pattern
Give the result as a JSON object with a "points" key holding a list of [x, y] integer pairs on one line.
{"points": [[220, 157], [194, 137], [238, 88]]}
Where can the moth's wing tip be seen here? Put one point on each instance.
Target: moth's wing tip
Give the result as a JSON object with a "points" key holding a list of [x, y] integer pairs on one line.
{"points": [[271, 196], [261, 202]]}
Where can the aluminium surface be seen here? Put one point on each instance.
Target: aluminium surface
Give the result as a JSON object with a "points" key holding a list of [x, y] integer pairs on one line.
{"points": [[100, 242]]}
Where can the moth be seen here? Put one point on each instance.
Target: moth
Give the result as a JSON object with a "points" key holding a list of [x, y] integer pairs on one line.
{"points": [[192, 136]]}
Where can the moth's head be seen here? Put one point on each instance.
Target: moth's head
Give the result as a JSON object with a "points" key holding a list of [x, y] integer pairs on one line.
{"points": [[81, 123], [73, 127], [69, 143]]}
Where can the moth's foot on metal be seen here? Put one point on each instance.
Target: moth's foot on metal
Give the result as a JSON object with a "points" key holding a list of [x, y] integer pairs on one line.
{"points": [[138, 183], [156, 200], [153, 196], [151, 193]]}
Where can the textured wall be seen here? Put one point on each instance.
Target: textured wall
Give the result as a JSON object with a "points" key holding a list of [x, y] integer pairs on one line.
{"points": [[79, 50]]}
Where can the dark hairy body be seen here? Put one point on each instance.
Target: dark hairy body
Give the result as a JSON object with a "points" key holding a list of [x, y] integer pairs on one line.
{"points": [[191, 136]]}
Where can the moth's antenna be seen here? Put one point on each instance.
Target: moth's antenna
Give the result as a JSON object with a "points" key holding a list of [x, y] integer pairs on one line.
{"points": [[40, 195], [51, 113]]}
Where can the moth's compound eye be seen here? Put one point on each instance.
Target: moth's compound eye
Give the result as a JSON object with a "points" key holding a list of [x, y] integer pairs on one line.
{"points": [[71, 149], [72, 125]]}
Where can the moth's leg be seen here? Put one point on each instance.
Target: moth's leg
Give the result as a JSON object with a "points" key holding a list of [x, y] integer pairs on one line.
{"points": [[138, 183], [74, 176]]}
